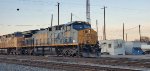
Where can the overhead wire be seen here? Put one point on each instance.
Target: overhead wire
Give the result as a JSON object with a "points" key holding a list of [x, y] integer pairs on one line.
{"points": [[131, 28], [46, 2], [23, 25]]}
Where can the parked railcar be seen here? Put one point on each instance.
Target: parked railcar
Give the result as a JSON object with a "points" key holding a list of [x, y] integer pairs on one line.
{"points": [[72, 39], [9, 43]]}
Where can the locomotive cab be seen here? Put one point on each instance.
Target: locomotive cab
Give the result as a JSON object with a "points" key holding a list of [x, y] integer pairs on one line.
{"points": [[85, 33], [87, 39]]}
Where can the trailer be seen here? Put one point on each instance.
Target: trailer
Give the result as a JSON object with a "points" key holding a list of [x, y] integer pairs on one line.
{"points": [[112, 47]]}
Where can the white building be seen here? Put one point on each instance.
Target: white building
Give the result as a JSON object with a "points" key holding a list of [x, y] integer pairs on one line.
{"points": [[112, 47], [145, 48]]}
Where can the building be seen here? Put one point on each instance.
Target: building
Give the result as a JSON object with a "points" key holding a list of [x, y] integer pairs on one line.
{"points": [[112, 47], [145, 48]]}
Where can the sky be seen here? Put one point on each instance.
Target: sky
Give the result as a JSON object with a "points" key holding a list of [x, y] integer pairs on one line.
{"points": [[35, 14]]}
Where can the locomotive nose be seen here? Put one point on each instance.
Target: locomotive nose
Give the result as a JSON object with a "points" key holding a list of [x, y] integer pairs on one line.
{"points": [[88, 36]]}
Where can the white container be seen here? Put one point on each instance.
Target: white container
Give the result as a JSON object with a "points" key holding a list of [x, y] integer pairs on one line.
{"points": [[145, 48], [112, 47]]}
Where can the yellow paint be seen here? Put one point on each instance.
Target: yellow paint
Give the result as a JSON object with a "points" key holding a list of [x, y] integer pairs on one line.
{"points": [[87, 36], [12, 42]]}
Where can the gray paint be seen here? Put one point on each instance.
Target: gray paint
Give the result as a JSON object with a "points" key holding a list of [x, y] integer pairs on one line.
{"points": [[58, 36]]}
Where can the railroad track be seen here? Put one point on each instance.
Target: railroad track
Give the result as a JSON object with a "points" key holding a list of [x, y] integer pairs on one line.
{"points": [[79, 64]]}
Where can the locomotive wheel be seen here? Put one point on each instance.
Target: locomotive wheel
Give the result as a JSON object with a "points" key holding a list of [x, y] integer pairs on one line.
{"points": [[31, 51], [59, 51], [69, 52], [13, 52]]}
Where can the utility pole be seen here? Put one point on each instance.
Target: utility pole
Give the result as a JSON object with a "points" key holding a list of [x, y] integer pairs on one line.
{"points": [[123, 31], [52, 20], [88, 11], [97, 27], [58, 11], [104, 33], [140, 32], [126, 37], [71, 17]]}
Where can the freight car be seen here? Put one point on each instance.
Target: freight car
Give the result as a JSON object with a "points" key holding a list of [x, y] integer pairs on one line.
{"points": [[72, 39]]}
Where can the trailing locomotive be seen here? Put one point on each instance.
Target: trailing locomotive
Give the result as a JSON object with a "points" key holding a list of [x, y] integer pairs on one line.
{"points": [[72, 39]]}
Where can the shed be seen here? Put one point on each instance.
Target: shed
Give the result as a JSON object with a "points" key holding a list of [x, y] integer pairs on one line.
{"points": [[112, 47]]}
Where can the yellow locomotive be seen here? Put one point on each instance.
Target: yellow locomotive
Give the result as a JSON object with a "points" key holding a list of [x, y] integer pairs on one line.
{"points": [[72, 39]]}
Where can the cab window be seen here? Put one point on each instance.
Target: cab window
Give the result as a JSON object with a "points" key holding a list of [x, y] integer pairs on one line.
{"points": [[81, 26], [78, 26], [87, 26]]}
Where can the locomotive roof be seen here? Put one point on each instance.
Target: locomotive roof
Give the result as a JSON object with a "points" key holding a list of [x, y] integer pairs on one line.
{"points": [[69, 23], [30, 31], [34, 31]]}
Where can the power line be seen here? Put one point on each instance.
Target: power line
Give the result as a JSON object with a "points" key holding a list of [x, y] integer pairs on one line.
{"points": [[130, 9], [40, 2], [77, 16], [131, 28], [24, 25]]}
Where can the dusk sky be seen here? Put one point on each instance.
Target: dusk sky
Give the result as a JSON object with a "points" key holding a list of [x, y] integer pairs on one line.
{"points": [[35, 14]]}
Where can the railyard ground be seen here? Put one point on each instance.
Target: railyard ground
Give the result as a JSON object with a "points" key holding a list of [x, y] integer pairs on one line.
{"points": [[52, 63], [128, 56]]}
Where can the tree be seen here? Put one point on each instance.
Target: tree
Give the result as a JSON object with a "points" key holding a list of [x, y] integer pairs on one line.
{"points": [[145, 39]]}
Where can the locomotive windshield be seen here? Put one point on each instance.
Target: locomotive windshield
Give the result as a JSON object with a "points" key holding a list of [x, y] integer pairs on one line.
{"points": [[81, 26]]}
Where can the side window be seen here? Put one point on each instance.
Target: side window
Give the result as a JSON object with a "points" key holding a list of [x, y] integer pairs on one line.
{"points": [[68, 28], [50, 29], [119, 45], [78, 27], [87, 26], [58, 27], [109, 45]]}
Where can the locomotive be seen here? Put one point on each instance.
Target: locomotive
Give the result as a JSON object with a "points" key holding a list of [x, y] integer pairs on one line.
{"points": [[75, 38]]}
